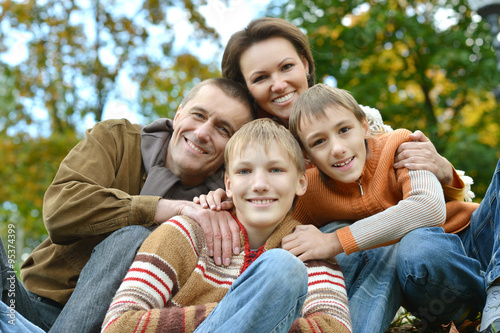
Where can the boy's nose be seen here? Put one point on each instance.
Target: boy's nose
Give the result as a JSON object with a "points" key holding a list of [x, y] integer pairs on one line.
{"points": [[260, 182]]}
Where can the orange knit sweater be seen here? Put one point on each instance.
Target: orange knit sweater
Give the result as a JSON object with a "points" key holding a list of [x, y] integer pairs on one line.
{"points": [[384, 204]]}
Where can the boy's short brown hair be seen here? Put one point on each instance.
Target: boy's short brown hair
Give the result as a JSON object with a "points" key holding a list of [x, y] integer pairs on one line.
{"points": [[265, 132], [313, 102]]}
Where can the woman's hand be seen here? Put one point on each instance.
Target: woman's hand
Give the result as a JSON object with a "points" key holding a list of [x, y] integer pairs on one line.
{"points": [[420, 154]]}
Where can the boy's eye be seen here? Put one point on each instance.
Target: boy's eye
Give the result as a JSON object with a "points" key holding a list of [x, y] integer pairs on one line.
{"points": [[243, 172], [317, 142], [344, 129], [276, 170]]}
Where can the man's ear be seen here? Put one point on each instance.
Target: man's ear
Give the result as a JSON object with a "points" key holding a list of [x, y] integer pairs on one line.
{"points": [[179, 109], [227, 182], [302, 185]]}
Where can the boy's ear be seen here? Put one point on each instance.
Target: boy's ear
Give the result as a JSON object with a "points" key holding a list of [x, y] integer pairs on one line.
{"points": [[366, 127], [302, 185], [227, 182]]}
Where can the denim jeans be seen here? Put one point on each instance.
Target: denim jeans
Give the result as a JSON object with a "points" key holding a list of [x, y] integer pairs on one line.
{"points": [[444, 274], [40, 311], [372, 285], [99, 281], [12, 321], [267, 297]]}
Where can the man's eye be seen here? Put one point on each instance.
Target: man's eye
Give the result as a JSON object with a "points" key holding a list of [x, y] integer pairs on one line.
{"points": [[225, 131]]}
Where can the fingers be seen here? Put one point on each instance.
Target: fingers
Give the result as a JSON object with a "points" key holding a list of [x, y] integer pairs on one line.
{"points": [[213, 200], [235, 235], [419, 136]]}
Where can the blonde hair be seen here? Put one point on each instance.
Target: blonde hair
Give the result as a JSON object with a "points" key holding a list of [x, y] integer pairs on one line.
{"points": [[313, 103], [265, 133]]}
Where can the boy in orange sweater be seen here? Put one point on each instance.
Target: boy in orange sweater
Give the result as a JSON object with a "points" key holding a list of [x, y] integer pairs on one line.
{"points": [[175, 286], [448, 271]]}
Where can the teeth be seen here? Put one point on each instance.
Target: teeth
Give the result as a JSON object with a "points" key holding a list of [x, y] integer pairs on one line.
{"points": [[262, 202], [284, 98], [345, 163], [194, 147]]}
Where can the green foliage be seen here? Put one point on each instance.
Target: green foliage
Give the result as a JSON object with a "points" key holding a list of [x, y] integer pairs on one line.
{"points": [[27, 169], [78, 51], [422, 71]]}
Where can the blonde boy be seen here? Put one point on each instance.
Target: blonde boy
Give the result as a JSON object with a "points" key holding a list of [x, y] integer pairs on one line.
{"points": [[176, 286]]}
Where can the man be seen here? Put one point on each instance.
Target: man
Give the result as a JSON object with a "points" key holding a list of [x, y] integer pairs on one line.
{"points": [[111, 187]]}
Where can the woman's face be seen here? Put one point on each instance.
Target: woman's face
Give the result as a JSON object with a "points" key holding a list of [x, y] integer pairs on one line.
{"points": [[275, 75]]}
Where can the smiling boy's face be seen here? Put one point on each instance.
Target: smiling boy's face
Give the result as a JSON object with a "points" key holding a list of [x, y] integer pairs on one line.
{"points": [[335, 143], [263, 186]]}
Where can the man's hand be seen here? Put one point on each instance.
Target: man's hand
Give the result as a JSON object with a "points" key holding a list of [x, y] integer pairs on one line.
{"points": [[420, 154], [221, 231], [215, 200], [308, 242]]}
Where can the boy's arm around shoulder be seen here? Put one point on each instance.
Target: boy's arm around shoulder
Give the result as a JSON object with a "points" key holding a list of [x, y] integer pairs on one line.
{"points": [[165, 261], [96, 189], [326, 308], [420, 204]]}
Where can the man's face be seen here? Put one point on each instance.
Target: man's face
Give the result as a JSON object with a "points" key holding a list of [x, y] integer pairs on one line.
{"points": [[202, 128]]}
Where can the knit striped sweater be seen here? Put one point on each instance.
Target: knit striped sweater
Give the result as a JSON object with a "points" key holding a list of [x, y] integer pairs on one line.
{"points": [[173, 284], [384, 204]]}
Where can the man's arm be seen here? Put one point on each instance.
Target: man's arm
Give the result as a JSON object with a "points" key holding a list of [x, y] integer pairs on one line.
{"points": [[96, 189]]}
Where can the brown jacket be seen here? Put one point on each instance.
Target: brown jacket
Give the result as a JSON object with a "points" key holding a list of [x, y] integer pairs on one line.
{"points": [[96, 191]]}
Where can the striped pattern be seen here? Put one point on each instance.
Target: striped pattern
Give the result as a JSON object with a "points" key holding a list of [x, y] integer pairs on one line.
{"points": [[394, 201], [173, 285]]}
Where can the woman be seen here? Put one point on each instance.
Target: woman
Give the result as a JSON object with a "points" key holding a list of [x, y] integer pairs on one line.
{"points": [[272, 58]]}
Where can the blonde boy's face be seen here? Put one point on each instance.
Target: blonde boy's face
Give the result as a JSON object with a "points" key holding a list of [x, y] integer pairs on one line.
{"points": [[263, 186], [336, 143]]}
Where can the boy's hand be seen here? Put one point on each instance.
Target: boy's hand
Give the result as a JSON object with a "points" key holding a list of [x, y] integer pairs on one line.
{"points": [[215, 200], [420, 154], [222, 232], [308, 242]]}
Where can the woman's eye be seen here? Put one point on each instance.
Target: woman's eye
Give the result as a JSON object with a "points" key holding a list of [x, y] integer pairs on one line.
{"points": [[260, 78], [287, 66]]}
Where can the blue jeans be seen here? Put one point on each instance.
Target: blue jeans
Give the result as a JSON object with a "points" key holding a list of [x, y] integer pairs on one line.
{"points": [[444, 274], [372, 285], [40, 311], [99, 281], [12, 321], [267, 297]]}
